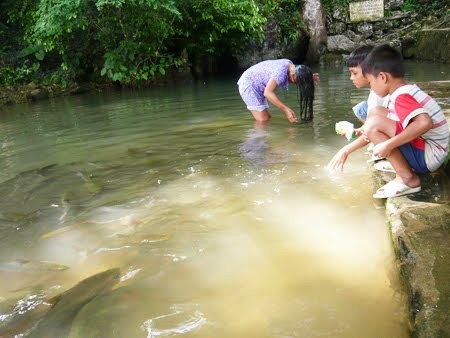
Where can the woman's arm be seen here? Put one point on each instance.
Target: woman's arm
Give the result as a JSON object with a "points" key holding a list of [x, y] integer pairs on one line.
{"points": [[269, 93]]}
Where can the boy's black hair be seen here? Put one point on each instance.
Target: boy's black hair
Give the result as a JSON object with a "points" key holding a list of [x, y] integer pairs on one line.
{"points": [[384, 58], [305, 91], [358, 55]]}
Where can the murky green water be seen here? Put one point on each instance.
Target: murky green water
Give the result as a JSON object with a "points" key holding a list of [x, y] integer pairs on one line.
{"points": [[220, 228]]}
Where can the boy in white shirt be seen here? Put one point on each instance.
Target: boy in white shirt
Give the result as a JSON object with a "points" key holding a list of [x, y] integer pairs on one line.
{"points": [[361, 110]]}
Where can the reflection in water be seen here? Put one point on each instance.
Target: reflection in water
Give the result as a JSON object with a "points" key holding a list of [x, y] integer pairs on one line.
{"points": [[220, 228], [255, 149]]}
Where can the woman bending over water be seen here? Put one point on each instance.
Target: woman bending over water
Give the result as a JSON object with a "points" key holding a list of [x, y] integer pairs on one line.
{"points": [[258, 83]]}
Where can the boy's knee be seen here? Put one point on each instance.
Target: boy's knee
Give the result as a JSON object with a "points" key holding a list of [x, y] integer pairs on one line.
{"points": [[377, 117], [378, 111]]}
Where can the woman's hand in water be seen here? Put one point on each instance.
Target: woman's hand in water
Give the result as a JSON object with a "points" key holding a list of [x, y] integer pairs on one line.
{"points": [[290, 115], [316, 78]]}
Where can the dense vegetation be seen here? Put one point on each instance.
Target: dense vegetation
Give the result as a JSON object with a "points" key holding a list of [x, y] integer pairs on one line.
{"points": [[131, 41]]}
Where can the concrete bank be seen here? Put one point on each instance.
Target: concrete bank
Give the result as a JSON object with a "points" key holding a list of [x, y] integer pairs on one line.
{"points": [[420, 228]]}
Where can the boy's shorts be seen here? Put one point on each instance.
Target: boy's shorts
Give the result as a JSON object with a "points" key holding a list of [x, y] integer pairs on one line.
{"points": [[253, 99], [415, 158], [414, 155], [360, 110]]}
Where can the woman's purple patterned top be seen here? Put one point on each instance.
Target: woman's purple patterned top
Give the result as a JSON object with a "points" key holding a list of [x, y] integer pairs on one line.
{"points": [[259, 75]]}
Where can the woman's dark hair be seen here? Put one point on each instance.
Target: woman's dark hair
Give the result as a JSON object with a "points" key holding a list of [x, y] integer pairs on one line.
{"points": [[358, 55], [305, 91]]}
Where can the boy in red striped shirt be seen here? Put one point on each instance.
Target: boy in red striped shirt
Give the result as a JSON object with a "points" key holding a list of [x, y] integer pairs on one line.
{"points": [[415, 137]]}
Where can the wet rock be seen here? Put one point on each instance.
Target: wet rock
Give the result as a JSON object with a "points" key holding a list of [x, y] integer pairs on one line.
{"points": [[104, 316], [430, 45], [58, 321], [365, 29], [273, 47], [20, 315], [38, 94], [340, 44], [315, 25], [32, 86], [420, 232], [392, 4], [437, 89], [418, 37], [81, 89]]}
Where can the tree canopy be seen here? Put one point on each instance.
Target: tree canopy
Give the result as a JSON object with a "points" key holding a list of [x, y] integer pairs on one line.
{"points": [[129, 41], [133, 41]]}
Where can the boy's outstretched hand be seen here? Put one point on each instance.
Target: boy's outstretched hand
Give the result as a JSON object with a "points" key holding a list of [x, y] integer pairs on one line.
{"points": [[338, 160], [360, 131]]}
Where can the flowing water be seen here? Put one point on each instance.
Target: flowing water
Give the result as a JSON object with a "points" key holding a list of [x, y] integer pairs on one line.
{"points": [[220, 227]]}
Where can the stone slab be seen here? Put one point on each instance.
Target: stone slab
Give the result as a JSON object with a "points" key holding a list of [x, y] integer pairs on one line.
{"points": [[366, 10]]}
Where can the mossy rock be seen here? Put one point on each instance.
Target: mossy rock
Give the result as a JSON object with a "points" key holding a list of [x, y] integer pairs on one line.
{"points": [[421, 233], [430, 45], [436, 89]]}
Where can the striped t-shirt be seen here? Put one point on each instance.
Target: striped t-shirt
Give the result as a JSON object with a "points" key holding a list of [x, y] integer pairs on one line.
{"points": [[409, 101]]}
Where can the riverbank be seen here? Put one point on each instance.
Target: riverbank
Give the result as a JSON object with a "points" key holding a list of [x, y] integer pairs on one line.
{"points": [[419, 226], [35, 92], [32, 91]]}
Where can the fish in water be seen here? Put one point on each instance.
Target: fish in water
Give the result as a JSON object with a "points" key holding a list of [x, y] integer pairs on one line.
{"points": [[24, 265]]}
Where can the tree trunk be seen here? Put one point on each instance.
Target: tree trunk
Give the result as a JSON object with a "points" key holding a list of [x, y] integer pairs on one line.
{"points": [[314, 18]]}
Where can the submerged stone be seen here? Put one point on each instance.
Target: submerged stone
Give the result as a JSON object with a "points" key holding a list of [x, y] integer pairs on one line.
{"points": [[58, 321]]}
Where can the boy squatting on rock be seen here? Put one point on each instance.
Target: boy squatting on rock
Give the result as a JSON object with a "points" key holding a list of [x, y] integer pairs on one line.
{"points": [[415, 139], [360, 110], [354, 61]]}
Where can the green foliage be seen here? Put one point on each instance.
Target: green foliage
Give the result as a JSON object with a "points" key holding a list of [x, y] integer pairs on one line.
{"points": [[124, 40], [218, 26], [18, 75], [423, 6], [129, 41], [331, 5], [407, 6], [135, 36], [287, 14], [133, 41], [129, 66]]}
